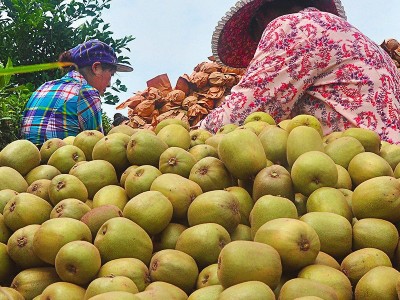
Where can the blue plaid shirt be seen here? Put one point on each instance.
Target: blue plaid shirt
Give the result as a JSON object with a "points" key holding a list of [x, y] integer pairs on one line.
{"points": [[62, 108]]}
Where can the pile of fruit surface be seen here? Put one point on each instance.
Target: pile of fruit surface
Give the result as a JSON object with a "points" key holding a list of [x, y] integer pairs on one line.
{"points": [[259, 211], [392, 47]]}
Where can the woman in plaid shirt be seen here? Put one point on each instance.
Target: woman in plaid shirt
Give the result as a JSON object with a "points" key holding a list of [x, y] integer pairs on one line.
{"points": [[67, 106]]}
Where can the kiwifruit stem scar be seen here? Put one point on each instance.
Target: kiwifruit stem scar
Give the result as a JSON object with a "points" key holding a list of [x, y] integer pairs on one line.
{"points": [[60, 208], [172, 161], [71, 269], [22, 241], [203, 171], [154, 265], [304, 244], [60, 185], [274, 175]]}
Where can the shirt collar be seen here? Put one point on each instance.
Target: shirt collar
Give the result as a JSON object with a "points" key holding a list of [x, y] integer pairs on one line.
{"points": [[75, 75]]}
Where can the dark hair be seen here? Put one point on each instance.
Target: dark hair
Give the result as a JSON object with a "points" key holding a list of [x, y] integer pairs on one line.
{"points": [[279, 7], [118, 119], [67, 57]]}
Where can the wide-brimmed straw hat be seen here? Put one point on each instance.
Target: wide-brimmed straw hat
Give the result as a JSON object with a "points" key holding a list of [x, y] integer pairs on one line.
{"points": [[232, 44]]}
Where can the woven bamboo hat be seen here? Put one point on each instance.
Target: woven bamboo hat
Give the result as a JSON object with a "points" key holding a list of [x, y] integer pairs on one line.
{"points": [[232, 44]]}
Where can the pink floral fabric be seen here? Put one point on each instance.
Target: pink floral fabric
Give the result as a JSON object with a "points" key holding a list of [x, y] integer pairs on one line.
{"points": [[316, 63]]}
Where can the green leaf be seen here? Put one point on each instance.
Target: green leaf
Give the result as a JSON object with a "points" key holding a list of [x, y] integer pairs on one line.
{"points": [[123, 88], [8, 66], [34, 32]]}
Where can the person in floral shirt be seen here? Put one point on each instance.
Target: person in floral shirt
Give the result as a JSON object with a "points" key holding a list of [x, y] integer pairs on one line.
{"points": [[305, 58]]}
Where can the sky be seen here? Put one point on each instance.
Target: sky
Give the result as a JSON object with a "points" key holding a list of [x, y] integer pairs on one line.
{"points": [[174, 36]]}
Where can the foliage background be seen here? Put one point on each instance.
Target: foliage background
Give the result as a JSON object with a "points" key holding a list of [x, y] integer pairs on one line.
{"points": [[34, 32]]}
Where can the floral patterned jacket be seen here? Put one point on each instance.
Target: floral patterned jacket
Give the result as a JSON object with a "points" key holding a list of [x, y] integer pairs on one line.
{"points": [[316, 63]]}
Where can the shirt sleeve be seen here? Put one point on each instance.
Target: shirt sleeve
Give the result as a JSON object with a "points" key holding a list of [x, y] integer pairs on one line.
{"points": [[280, 72], [89, 110]]}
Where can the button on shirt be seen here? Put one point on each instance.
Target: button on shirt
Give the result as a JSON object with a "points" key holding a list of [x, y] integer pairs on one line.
{"points": [[62, 108], [316, 63]]}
